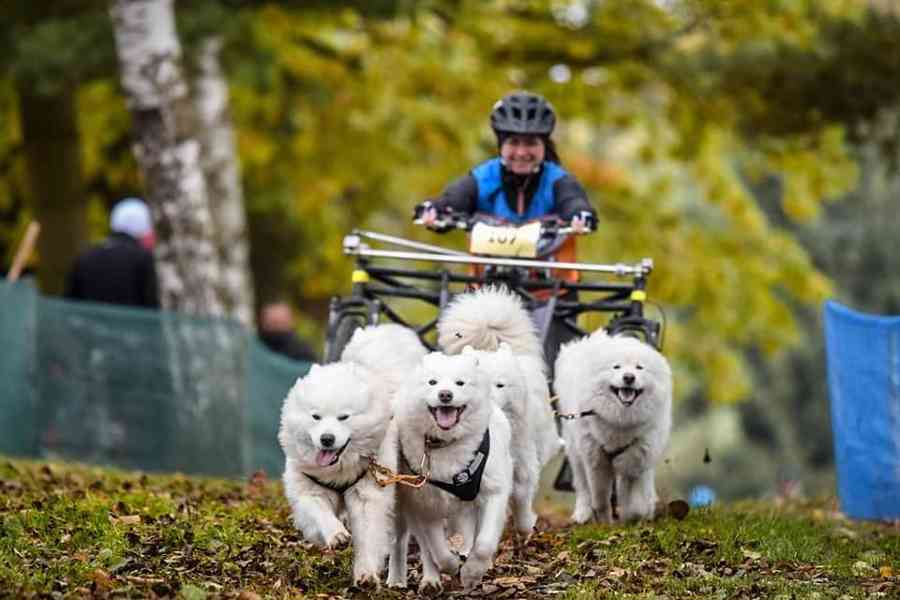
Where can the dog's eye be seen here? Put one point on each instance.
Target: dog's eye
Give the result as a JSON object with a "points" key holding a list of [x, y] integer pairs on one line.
{"points": [[617, 366], [460, 382], [639, 367], [432, 382], [343, 417], [316, 417], [501, 385]]}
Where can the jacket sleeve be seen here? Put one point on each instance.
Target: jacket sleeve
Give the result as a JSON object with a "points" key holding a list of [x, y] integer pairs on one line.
{"points": [[460, 195], [150, 284], [73, 289], [571, 198]]}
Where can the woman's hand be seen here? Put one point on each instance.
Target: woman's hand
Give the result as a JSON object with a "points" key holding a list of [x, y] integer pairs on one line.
{"points": [[429, 216], [583, 222]]}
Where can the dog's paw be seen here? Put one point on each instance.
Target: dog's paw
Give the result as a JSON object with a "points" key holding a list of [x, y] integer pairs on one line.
{"points": [[396, 585], [431, 587], [472, 573], [582, 514], [523, 538], [367, 582], [450, 565], [525, 523], [339, 539], [602, 515]]}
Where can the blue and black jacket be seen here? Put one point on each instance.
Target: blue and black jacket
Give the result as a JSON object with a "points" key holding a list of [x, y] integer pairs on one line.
{"points": [[490, 188]]}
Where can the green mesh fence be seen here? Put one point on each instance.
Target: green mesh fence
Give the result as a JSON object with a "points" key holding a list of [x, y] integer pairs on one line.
{"points": [[136, 388]]}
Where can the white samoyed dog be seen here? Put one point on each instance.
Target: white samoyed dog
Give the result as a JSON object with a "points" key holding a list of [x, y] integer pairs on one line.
{"points": [[487, 320], [525, 402], [620, 390], [389, 349], [332, 421], [450, 431]]}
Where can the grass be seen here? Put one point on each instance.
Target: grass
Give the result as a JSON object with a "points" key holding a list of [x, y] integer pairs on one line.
{"points": [[75, 531]]}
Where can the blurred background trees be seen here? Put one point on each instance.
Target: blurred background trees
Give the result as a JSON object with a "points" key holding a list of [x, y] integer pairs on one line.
{"points": [[748, 147]]}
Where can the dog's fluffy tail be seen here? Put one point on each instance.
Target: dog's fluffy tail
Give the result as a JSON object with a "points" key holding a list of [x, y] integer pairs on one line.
{"points": [[486, 318], [385, 348]]}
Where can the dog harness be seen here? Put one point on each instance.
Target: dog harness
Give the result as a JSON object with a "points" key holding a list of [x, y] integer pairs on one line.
{"points": [[467, 483], [336, 487], [611, 455]]}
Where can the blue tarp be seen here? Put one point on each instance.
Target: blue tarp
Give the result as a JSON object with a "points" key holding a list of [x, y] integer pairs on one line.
{"points": [[864, 384]]}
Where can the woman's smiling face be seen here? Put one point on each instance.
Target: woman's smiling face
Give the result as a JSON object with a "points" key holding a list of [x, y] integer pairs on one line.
{"points": [[522, 154]]}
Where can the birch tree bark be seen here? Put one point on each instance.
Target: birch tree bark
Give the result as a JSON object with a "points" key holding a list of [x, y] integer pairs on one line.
{"points": [[206, 361], [168, 154], [218, 157]]}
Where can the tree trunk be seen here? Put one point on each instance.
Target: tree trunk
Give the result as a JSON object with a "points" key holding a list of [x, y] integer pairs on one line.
{"points": [[169, 157], [220, 165], [53, 162]]}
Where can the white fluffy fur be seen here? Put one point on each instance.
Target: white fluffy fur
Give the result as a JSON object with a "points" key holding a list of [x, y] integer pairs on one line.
{"points": [[485, 318], [520, 389], [423, 512], [352, 401], [387, 348], [586, 372]]}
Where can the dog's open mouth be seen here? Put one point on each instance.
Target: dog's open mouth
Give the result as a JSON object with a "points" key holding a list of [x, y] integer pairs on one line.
{"points": [[626, 395], [446, 417], [326, 457]]}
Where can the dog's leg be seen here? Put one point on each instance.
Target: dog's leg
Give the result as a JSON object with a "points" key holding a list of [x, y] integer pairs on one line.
{"points": [[600, 484], [637, 496], [491, 518], [583, 512], [462, 523], [431, 575], [435, 540], [370, 509], [397, 563], [525, 476], [315, 518]]}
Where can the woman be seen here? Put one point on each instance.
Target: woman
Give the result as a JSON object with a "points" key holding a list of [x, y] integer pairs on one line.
{"points": [[525, 182]]}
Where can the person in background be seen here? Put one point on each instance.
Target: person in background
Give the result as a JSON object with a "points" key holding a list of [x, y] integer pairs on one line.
{"points": [[119, 270], [277, 331]]}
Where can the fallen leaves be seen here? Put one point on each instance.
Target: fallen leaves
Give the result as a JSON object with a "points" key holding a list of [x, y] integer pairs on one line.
{"points": [[155, 536], [126, 520]]}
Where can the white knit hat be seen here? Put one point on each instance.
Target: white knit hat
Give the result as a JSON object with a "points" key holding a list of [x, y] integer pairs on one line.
{"points": [[131, 216]]}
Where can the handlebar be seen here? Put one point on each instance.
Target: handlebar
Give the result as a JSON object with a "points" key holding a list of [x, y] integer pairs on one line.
{"points": [[449, 220]]}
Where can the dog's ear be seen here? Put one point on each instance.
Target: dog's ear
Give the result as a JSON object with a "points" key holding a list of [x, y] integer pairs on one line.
{"points": [[315, 367]]}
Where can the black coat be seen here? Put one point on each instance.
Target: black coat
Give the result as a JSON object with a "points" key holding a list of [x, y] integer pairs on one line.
{"points": [[117, 271], [288, 344]]}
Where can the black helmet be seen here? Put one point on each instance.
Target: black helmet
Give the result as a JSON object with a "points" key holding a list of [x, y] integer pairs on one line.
{"points": [[523, 113]]}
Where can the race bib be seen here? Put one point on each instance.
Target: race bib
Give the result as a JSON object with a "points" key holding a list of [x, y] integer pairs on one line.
{"points": [[505, 240]]}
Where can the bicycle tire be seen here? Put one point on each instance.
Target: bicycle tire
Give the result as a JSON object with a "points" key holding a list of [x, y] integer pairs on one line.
{"points": [[346, 327]]}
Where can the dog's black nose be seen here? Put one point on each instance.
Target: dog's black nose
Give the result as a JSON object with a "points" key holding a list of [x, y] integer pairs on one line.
{"points": [[327, 440], [445, 396], [628, 378]]}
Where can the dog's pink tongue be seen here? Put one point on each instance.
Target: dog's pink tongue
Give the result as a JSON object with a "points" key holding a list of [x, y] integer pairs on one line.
{"points": [[447, 416], [324, 457]]}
